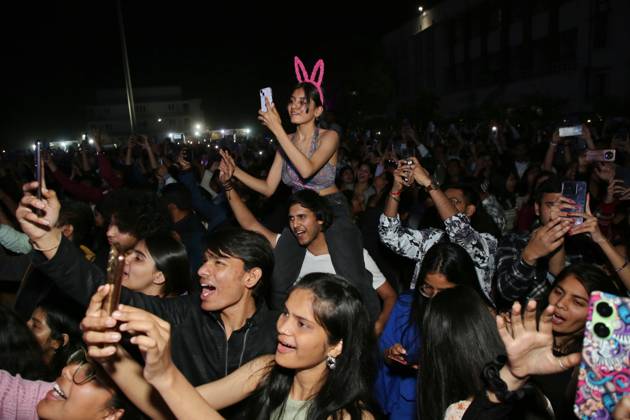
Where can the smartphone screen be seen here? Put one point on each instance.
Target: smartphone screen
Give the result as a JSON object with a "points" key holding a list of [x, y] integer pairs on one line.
{"points": [[265, 93], [576, 191], [575, 130]]}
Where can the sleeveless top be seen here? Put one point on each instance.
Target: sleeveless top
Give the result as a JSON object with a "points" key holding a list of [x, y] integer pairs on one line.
{"points": [[323, 179], [293, 410]]}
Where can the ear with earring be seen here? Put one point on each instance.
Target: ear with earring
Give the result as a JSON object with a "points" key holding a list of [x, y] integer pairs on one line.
{"points": [[331, 362]]}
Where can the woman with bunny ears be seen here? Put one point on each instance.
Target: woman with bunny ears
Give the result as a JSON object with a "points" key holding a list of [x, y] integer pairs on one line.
{"points": [[307, 158]]}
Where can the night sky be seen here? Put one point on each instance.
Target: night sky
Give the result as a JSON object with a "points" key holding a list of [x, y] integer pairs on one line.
{"points": [[58, 53]]}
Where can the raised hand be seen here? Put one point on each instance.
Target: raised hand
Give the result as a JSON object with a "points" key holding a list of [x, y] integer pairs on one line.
{"points": [[226, 167], [98, 328], [546, 239], [36, 227], [152, 335], [529, 346], [420, 174], [590, 224], [270, 119]]}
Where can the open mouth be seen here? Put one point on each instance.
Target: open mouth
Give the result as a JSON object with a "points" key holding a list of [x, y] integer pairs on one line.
{"points": [[56, 393], [284, 347], [207, 290], [557, 319]]}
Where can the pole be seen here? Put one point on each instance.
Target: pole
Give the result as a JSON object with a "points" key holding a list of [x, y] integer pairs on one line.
{"points": [[123, 43]]}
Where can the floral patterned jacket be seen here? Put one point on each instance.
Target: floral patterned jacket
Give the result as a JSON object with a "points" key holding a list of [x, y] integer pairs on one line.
{"points": [[411, 243]]}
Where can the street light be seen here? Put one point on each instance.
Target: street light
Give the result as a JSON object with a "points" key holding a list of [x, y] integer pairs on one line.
{"points": [[198, 126], [420, 9], [159, 120]]}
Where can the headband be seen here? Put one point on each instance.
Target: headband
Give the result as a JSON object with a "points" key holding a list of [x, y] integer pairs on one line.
{"points": [[302, 75]]}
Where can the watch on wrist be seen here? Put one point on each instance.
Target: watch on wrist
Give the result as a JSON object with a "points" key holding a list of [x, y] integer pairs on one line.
{"points": [[432, 186]]}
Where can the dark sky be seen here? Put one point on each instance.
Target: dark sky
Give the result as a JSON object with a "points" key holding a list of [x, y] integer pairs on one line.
{"points": [[58, 53]]}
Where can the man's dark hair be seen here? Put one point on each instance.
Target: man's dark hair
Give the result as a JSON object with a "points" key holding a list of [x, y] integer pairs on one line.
{"points": [[549, 186], [139, 213], [250, 247], [79, 215], [314, 202], [470, 193], [177, 194]]}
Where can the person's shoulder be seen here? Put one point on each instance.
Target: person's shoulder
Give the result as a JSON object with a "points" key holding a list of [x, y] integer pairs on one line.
{"points": [[328, 134]]}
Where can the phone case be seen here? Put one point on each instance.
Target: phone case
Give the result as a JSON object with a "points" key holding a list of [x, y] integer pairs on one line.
{"points": [[601, 155], [604, 375], [265, 93], [576, 191]]}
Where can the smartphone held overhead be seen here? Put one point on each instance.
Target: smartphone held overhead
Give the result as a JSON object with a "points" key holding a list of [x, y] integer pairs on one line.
{"points": [[265, 93], [575, 130], [601, 155], [576, 191]]}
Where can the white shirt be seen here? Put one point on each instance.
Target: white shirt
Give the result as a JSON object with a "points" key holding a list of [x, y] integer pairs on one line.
{"points": [[323, 264]]}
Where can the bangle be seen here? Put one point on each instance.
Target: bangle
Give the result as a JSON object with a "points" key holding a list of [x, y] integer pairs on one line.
{"points": [[395, 197], [395, 194], [494, 383], [625, 264]]}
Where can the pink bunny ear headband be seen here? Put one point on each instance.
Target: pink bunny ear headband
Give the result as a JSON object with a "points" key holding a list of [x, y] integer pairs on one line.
{"points": [[302, 75]]}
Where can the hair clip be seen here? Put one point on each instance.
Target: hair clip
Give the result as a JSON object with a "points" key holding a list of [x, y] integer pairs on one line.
{"points": [[302, 74]]}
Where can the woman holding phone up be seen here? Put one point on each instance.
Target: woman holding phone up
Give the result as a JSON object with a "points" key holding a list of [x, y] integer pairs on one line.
{"points": [[307, 158]]}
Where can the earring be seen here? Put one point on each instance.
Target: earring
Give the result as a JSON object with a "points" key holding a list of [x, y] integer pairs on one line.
{"points": [[331, 362]]}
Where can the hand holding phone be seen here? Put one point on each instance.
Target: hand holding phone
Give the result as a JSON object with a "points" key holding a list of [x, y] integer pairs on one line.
{"points": [[265, 93], [601, 155], [115, 266], [39, 174], [576, 191], [605, 367]]}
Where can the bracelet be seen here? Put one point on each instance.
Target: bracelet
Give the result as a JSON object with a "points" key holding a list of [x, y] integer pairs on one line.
{"points": [[625, 264], [431, 187], [395, 197], [496, 385], [395, 193], [36, 248]]}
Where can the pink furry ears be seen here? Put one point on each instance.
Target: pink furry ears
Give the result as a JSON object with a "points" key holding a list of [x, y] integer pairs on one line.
{"points": [[302, 75]]}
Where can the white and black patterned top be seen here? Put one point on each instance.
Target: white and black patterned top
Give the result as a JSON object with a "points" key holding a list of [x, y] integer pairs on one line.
{"points": [[411, 243]]}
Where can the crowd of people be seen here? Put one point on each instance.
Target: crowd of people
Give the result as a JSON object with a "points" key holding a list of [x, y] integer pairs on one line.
{"points": [[320, 273]]}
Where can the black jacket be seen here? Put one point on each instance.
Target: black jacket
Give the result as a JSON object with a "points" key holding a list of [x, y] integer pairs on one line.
{"points": [[198, 343]]}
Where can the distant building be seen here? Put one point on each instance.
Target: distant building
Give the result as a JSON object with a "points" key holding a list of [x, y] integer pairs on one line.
{"points": [[159, 111], [469, 52]]}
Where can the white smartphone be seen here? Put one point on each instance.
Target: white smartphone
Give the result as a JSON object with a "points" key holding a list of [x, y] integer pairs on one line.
{"points": [[265, 93]]}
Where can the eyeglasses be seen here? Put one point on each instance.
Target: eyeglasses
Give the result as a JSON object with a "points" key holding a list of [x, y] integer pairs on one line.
{"points": [[429, 291], [86, 370]]}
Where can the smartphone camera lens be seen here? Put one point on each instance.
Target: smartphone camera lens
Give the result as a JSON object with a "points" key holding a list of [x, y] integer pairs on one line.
{"points": [[608, 155], [601, 330], [604, 309]]}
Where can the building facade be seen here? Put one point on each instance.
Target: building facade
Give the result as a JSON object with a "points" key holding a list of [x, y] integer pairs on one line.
{"points": [[159, 111], [470, 52]]}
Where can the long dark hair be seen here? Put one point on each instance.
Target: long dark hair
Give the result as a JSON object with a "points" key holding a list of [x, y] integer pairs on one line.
{"points": [[62, 317], [172, 260], [347, 388], [459, 336], [19, 350], [452, 261]]}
